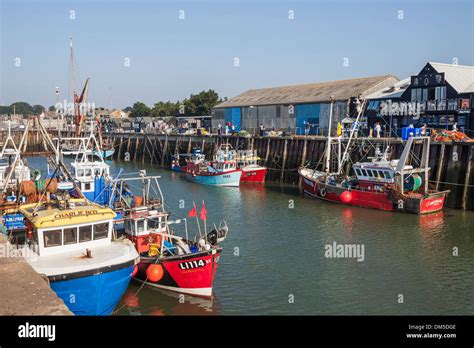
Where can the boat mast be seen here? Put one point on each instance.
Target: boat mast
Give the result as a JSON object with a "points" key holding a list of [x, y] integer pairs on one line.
{"points": [[354, 128], [328, 147]]}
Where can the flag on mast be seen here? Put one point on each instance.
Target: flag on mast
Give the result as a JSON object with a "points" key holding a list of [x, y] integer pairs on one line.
{"points": [[203, 214], [192, 212]]}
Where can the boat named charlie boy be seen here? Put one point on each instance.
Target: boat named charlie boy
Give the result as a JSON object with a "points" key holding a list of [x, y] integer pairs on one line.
{"points": [[70, 242]]}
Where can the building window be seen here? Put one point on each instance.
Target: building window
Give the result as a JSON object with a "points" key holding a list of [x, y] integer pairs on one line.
{"points": [[440, 93], [52, 238], [425, 94], [85, 233], [70, 235], [101, 230]]}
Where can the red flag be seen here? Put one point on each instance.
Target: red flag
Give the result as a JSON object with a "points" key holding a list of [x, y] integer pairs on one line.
{"points": [[203, 212], [193, 212]]}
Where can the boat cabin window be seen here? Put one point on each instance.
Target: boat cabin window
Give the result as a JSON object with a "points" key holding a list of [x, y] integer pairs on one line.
{"points": [[70, 235], [101, 230], [364, 173], [153, 223], [85, 233], [388, 175], [52, 238], [128, 226], [140, 226], [357, 170], [88, 172], [87, 186], [80, 172]]}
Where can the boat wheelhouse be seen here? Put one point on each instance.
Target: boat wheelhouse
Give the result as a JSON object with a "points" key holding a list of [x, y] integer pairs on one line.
{"points": [[70, 242], [13, 169], [90, 173], [188, 161]]}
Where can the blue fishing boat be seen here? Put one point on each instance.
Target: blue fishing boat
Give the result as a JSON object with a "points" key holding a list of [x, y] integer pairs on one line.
{"points": [[222, 171], [70, 241]]}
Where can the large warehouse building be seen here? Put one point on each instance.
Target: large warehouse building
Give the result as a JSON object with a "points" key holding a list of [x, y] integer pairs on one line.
{"points": [[296, 107]]}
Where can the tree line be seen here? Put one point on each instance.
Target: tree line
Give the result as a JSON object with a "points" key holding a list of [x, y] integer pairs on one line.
{"points": [[200, 104], [22, 108]]}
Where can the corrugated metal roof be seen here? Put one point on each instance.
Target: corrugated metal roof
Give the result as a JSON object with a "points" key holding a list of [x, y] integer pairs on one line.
{"points": [[393, 91], [461, 77], [310, 93]]}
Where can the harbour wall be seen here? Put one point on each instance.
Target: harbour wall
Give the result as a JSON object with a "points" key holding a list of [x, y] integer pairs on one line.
{"points": [[452, 164], [25, 292]]}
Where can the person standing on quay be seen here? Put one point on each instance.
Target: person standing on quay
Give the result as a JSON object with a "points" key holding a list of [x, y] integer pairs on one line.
{"points": [[377, 129], [423, 130]]}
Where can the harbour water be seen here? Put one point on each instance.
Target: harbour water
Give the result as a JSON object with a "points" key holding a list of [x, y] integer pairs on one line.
{"points": [[274, 260]]}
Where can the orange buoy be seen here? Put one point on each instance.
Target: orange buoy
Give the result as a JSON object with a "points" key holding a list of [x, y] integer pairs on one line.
{"points": [[346, 196], [154, 272]]}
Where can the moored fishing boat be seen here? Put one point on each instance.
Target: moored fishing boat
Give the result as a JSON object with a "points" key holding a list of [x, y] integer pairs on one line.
{"points": [[222, 171], [247, 162], [170, 261], [70, 242], [382, 183]]}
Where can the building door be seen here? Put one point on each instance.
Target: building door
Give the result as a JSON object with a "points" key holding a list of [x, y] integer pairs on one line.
{"points": [[233, 116]]}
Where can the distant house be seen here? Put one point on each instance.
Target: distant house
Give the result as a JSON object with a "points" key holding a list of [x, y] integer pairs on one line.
{"points": [[102, 113], [297, 107], [118, 114]]}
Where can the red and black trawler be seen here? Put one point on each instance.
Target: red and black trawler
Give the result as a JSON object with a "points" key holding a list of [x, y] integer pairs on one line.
{"points": [[384, 184], [169, 261]]}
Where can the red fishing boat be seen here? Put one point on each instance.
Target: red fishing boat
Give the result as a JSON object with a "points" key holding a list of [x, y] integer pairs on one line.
{"points": [[391, 185], [167, 260]]}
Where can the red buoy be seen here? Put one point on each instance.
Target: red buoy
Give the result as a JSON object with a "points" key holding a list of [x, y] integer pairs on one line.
{"points": [[135, 271], [154, 273], [346, 196]]}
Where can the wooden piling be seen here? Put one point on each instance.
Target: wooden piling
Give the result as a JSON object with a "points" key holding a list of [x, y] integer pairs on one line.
{"points": [[467, 179], [440, 165]]}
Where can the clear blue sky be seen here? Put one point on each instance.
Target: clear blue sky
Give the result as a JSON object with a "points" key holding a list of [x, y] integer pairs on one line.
{"points": [[172, 58]]}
